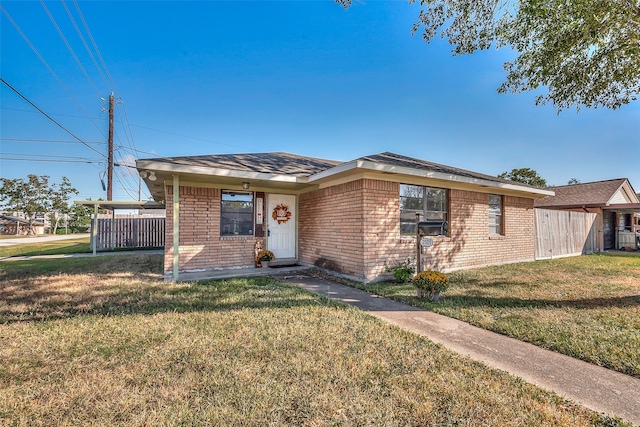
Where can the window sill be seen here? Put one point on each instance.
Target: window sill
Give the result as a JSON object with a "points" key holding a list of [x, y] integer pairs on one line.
{"points": [[237, 237], [497, 237]]}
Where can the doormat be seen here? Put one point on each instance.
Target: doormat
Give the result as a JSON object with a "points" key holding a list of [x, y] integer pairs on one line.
{"points": [[284, 265]]}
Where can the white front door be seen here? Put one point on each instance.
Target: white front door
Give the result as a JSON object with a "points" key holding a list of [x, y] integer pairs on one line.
{"points": [[281, 214]]}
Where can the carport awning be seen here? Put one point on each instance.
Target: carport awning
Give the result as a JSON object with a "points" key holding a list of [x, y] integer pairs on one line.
{"points": [[627, 208], [113, 205]]}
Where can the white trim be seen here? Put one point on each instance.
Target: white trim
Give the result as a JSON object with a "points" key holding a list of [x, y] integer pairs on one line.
{"points": [[343, 168], [401, 170], [212, 171], [625, 190]]}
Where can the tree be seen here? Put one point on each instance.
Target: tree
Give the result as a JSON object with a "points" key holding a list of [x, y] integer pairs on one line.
{"points": [[36, 197], [573, 181], [525, 176], [586, 53], [80, 218]]}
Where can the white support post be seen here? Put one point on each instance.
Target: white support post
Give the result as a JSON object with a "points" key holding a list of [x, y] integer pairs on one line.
{"points": [[176, 226], [94, 236]]}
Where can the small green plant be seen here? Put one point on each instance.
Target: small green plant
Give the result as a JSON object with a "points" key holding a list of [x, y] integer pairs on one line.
{"points": [[265, 255], [431, 282], [401, 271]]}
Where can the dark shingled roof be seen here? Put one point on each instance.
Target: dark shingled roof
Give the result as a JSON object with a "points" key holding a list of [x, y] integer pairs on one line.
{"points": [[270, 163], [588, 194], [304, 167], [393, 159]]}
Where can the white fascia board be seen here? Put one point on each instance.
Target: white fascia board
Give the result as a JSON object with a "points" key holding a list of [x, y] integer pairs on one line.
{"points": [[344, 167], [211, 171], [399, 170]]}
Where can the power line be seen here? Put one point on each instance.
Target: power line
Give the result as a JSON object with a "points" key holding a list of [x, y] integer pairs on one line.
{"points": [[50, 160], [64, 39], [48, 155], [56, 114], [122, 147], [122, 185], [26, 39], [58, 141], [144, 127], [106, 70], [84, 42], [48, 116]]}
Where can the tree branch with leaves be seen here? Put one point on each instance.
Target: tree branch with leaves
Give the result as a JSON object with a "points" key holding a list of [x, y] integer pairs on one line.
{"points": [[585, 53]]}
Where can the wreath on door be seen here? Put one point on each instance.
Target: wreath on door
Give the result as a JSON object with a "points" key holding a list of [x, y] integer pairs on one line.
{"points": [[281, 213]]}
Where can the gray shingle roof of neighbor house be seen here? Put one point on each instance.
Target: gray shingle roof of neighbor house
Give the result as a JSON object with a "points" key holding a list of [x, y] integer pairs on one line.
{"points": [[588, 194]]}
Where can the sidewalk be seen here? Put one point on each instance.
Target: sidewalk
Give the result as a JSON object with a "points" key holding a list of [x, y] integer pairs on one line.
{"points": [[41, 238], [84, 255], [597, 388]]}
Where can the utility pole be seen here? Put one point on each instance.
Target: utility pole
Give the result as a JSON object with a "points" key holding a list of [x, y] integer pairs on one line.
{"points": [[110, 142]]}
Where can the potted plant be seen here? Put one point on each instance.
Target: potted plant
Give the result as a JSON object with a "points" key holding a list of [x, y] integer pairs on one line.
{"points": [[430, 282], [264, 257], [402, 271]]}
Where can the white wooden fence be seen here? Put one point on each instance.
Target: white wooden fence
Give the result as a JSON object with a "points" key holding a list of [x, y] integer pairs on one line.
{"points": [[564, 233], [131, 231]]}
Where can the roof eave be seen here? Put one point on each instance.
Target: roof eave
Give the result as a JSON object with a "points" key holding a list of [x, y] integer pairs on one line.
{"points": [[400, 170], [174, 169]]}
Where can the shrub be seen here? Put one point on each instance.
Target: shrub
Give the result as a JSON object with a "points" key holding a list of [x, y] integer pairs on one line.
{"points": [[265, 255], [401, 271], [431, 281]]}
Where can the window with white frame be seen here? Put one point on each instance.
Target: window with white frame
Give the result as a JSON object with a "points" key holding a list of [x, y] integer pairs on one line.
{"points": [[495, 214], [431, 203], [236, 214]]}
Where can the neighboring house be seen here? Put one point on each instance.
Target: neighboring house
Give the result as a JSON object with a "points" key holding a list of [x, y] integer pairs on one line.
{"points": [[614, 201], [346, 217], [11, 225]]}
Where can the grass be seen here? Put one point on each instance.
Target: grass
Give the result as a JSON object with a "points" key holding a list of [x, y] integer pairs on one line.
{"points": [[587, 307], [103, 341], [55, 247]]}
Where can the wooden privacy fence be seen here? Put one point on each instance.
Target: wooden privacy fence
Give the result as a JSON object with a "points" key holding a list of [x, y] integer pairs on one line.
{"points": [[132, 231], [564, 233]]}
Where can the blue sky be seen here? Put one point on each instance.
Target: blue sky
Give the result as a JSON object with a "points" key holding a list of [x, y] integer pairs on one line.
{"points": [[306, 77]]}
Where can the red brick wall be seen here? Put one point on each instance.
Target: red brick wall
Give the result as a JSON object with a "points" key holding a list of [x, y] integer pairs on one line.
{"points": [[354, 228], [469, 243], [201, 246], [330, 228]]}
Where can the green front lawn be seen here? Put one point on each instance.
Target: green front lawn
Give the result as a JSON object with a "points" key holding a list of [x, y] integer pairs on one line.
{"points": [[55, 247], [103, 341], [586, 307]]}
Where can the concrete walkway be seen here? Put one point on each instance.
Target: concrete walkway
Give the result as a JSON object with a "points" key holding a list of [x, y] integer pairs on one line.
{"points": [[84, 255], [597, 388]]}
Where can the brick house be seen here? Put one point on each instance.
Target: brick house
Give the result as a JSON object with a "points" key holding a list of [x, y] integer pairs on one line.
{"points": [[346, 217], [614, 201]]}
